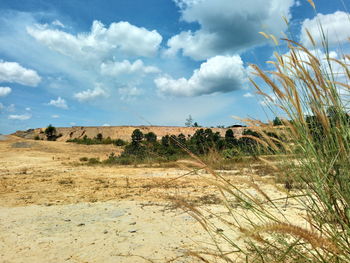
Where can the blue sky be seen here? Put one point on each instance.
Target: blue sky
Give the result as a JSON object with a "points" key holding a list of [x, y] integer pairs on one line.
{"points": [[137, 62]]}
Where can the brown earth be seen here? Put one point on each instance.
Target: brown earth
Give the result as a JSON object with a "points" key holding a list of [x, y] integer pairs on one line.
{"points": [[54, 209], [115, 132]]}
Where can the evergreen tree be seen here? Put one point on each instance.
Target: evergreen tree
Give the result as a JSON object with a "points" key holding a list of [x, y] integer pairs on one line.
{"points": [[277, 122], [50, 132], [230, 139], [137, 136], [151, 137], [99, 137]]}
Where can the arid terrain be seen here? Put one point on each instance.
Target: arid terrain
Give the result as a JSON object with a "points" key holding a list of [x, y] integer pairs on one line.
{"points": [[116, 132], [55, 209]]}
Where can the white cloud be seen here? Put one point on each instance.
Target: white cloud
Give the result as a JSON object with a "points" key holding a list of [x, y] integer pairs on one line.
{"points": [[248, 95], [336, 28], [4, 91], [217, 74], [90, 94], [55, 116], [58, 23], [119, 38], [125, 67], [20, 117], [59, 103], [106, 125], [14, 73], [268, 101], [127, 93], [327, 67], [72, 123], [227, 26], [28, 109]]}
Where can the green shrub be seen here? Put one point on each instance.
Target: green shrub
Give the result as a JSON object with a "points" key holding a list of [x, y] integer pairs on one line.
{"points": [[50, 132], [119, 142], [97, 140], [93, 161]]}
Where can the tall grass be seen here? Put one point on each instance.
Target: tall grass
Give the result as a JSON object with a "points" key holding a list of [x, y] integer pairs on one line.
{"points": [[310, 90]]}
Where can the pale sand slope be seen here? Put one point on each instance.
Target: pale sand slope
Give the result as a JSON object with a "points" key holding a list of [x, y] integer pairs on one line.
{"points": [[55, 210], [97, 214], [99, 232]]}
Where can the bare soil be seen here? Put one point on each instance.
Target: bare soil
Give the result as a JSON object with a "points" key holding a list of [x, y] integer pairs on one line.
{"points": [[54, 209]]}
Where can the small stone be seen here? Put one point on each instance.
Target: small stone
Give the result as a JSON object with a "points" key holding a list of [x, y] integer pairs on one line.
{"points": [[81, 224], [133, 223], [105, 232], [133, 231]]}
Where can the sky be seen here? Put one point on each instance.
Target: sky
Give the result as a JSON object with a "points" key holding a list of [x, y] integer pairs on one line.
{"points": [[155, 62]]}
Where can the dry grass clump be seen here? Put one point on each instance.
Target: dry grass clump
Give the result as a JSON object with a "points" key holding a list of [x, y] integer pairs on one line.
{"points": [[309, 91]]}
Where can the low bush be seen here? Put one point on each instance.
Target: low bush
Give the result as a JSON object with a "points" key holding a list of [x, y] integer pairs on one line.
{"points": [[98, 140], [93, 161]]}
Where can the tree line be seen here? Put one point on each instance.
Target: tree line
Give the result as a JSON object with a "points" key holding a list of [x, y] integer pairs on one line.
{"points": [[173, 147]]}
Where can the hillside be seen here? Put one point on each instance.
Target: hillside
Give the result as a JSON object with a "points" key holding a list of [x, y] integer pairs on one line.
{"points": [[115, 132]]}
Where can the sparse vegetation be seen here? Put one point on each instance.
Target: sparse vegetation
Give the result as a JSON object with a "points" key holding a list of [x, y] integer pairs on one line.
{"points": [[83, 159], [93, 161], [98, 140], [51, 133], [315, 137], [219, 151], [66, 181]]}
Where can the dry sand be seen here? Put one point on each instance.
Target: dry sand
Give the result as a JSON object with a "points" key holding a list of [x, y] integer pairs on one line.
{"points": [[53, 209]]}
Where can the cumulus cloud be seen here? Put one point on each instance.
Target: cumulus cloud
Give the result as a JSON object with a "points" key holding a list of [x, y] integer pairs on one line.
{"points": [[336, 27], [4, 91], [55, 116], [217, 74], [125, 67], [119, 38], [90, 94], [227, 26], [22, 117], [59, 103], [14, 73], [106, 125], [327, 66]]}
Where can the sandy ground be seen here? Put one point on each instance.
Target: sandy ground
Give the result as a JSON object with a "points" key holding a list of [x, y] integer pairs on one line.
{"points": [[53, 209]]}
